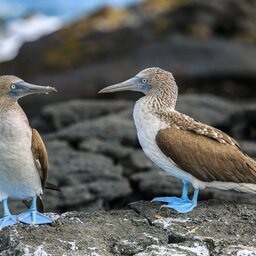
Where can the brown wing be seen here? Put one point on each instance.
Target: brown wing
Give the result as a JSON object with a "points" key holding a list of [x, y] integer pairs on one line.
{"points": [[40, 156], [208, 155]]}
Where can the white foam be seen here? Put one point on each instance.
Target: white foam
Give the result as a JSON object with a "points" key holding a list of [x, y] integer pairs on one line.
{"points": [[20, 31]]}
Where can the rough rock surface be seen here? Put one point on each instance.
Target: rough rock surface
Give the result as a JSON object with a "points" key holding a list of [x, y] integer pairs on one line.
{"points": [[142, 229]]}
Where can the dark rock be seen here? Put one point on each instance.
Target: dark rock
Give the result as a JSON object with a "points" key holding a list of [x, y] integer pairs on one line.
{"points": [[156, 183], [140, 161], [99, 233], [248, 147], [212, 228], [215, 66], [207, 109], [223, 228], [64, 114], [244, 122], [109, 128], [83, 177], [112, 149]]}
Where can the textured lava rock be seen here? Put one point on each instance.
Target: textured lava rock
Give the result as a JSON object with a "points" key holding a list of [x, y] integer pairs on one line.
{"points": [[143, 228]]}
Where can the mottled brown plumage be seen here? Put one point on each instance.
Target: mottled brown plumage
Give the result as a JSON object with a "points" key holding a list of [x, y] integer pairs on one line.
{"points": [[205, 157], [40, 156], [41, 161]]}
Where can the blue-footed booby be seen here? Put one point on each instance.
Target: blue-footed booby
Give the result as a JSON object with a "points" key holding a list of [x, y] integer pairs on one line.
{"points": [[23, 157], [187, 149]]}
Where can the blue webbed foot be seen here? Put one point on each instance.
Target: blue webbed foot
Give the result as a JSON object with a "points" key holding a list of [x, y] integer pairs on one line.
{"points": [[6, 221], [184, 207], [174, 199], [34, 217], [170, 200]]}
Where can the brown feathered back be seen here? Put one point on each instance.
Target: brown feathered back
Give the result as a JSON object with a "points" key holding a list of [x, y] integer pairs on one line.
{"points": [[206, 157]]}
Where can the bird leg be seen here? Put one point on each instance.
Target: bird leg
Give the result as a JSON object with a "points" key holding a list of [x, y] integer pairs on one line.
{"points": [[32, 216], [7, 219], [174, 199], [187, 206]]}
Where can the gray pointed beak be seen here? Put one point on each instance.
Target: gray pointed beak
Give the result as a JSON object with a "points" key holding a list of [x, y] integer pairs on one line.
{"points": [[132, 84], [21, 89]]}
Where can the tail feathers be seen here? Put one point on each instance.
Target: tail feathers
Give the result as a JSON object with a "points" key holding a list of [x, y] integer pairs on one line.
{"points": [[240, 187], [51, 186]]}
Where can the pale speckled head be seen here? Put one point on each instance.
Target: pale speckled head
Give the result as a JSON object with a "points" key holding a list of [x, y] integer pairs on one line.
{"points": [[148, 81], [13, 87], [153, 82], [157, 80]]}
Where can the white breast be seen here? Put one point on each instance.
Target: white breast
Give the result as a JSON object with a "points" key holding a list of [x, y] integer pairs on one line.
{"points": [[148, 125], [19, 178]]}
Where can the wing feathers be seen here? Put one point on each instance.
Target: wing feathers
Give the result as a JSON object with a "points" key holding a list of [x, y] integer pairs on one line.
{"points": [[40, 156], [205, 156]]}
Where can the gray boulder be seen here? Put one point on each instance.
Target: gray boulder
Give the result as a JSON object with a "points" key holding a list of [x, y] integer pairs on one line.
{"points": [[109, 128], [63, 114], [84, 178], [207, 108]]}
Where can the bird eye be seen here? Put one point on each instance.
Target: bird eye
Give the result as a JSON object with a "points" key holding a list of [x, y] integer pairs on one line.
{"points": [[13, 86], [144, 81]]}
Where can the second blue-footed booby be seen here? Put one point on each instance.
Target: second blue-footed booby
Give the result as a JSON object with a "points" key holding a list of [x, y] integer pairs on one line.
{"points": [[187, 149], [23, 157]]}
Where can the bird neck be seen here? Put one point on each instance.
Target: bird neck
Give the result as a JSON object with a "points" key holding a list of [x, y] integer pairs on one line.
{"points": [[161, 100], [9, 104]]}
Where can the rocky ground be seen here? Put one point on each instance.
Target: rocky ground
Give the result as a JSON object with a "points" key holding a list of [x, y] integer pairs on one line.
{"points": [[141, 229], [96, 160]]}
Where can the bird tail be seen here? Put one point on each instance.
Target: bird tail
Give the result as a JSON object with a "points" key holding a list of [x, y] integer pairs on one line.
{"points": [[51, 186]]}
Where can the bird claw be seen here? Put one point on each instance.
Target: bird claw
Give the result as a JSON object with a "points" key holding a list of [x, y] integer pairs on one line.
{"points": [[34, 217], [169, 200]]}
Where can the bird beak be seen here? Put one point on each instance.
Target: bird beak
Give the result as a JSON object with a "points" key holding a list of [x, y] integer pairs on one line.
{"points": [[132, 84], [23, 89]]}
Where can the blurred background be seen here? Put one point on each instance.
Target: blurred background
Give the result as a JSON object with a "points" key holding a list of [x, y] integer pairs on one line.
{"points": [[81, 46]]}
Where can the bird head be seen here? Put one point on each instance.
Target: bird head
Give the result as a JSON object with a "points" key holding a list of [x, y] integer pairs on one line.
{"points": [[150, 81], [13, 87]]}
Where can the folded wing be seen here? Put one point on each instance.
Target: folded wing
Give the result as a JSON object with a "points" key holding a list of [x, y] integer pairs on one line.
{"points": [[206, 153]]}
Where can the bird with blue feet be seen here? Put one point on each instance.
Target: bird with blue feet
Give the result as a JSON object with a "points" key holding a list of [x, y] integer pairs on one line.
{"points": [[193, 152], [23, 157]]}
